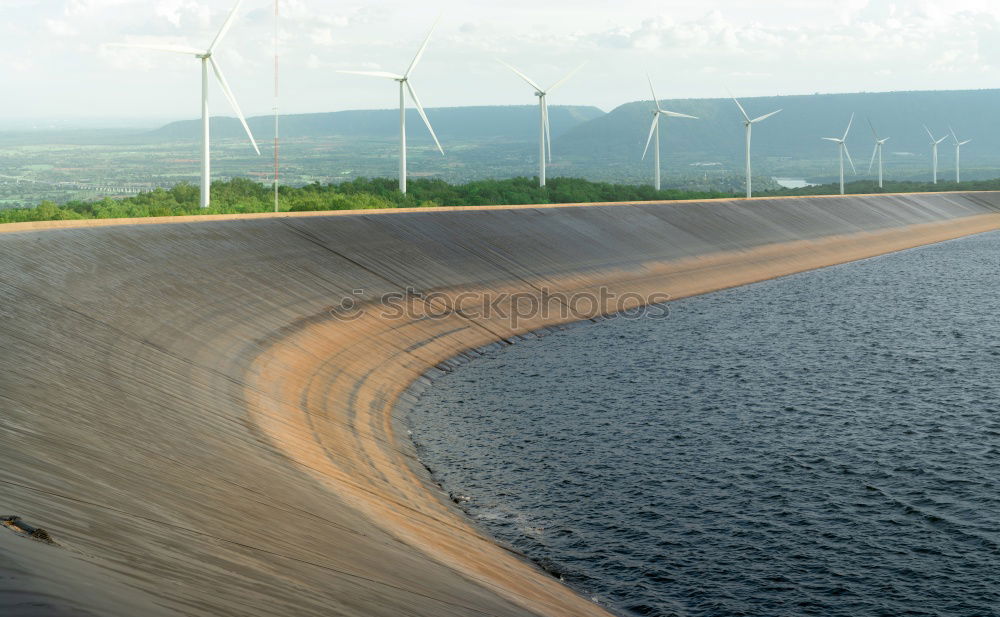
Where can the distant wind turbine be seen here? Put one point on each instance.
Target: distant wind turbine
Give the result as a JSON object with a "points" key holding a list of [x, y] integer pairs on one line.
{"points": [[934, 150], [654, 130], [545, 136], [958, 154], [406, 86], [842, 148], [207, 58], [879, 143], [749, 126]]}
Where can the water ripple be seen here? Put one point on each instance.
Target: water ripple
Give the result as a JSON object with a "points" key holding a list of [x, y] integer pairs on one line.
{"points": [[825, 444]]}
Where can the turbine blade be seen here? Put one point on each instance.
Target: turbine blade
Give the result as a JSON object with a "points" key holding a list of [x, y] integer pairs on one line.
{"points": [[656, 101], [964, 142], [521, 75], [174, 49], [929, 134], [849, 159], [674, 114], [886, 139], [232, 101], [874, 154], [742, 111], [420, 52], [765, 117], [226, 26], [420, 110], [874, 132], [835, 140], [652, 131], [383, 74], [849, 125], [565, 79], [952, 131]]}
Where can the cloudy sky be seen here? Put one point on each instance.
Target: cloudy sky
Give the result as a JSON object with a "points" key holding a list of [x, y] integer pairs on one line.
{"points": [[53, 64]]}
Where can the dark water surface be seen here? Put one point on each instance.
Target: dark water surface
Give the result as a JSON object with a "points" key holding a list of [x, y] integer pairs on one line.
{"points": [[824, 444]]}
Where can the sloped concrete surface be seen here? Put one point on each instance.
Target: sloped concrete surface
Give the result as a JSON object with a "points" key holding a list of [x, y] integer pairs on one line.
{"points": [[187, 411]]}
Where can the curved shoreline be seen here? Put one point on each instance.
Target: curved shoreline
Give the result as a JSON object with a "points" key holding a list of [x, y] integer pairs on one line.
{"points": [[386, 450], [187, 416]]}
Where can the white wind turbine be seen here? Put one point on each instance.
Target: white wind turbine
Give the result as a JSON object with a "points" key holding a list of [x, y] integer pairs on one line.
{"points": [[749, 126], [879, 143], [545, 136], [934, 150], [406, 86], [958, 154], [842, 148], [654, 130], [207, 58]]}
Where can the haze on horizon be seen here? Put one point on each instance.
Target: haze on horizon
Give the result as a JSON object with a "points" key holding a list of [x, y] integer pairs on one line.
{"points": [[53, 64]]}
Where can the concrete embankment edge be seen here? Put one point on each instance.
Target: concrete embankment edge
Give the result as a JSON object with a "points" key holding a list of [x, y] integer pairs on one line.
{"points": [[191, 423]]}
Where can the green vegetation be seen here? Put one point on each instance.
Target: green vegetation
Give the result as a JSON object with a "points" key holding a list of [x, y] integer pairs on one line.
{"points": [[243, 196]]}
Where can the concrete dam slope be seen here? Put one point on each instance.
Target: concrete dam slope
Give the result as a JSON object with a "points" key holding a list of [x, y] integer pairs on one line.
{"points": [[205, 414]]}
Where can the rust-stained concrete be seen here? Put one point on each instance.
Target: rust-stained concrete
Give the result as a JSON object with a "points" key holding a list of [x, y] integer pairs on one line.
{"points": [[200, 435]]}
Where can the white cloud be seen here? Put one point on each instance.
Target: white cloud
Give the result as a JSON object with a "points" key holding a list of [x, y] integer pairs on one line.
{"points": [[760, 47]]}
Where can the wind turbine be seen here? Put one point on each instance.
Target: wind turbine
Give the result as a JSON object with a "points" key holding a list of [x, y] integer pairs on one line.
{"points": [[842, 148], [654, 130], [749, 125], [207, 58], [958, 154], [879, 143], [934, 150], [404, 87], [545, 136]]}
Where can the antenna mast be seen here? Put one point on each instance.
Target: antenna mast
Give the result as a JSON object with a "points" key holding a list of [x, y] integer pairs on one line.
{"points": [[277, 163]]}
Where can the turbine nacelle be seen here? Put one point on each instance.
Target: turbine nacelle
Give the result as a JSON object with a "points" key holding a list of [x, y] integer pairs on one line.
{"points": [[934, 141], [653, 130], [877, 153], [404, 83], [545, 138], [748, 123]]}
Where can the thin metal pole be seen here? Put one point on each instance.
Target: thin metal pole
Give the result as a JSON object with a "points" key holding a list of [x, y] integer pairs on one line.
{"points": [[402, 138], [277, 161], [842, 168], [880, 167], [206, 155], [541, 141], [657, 156], [749, 179]]}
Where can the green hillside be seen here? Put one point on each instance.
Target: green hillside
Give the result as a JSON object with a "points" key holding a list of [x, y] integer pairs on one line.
{"points": [[459, 124], [790, 143]]}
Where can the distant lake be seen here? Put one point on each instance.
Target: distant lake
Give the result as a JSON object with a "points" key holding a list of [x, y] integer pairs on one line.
{"points": [[823, 444], [793, 183]]}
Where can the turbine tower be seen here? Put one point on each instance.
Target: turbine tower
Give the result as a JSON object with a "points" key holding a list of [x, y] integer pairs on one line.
{"points": [[934, 150], [545, 131], [654, 131], [406, 86], [842, 148], [958, 154], [207, 58], [879, 143], [749, 126]]}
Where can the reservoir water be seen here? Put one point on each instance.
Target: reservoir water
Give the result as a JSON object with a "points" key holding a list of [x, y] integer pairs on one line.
{"points": [[822, 444]]}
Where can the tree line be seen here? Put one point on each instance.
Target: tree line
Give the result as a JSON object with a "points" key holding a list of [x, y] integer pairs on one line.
{"points": [[241, 195]]}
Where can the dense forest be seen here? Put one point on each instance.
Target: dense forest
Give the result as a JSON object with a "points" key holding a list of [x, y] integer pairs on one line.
{"points": [[244, 196]]}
